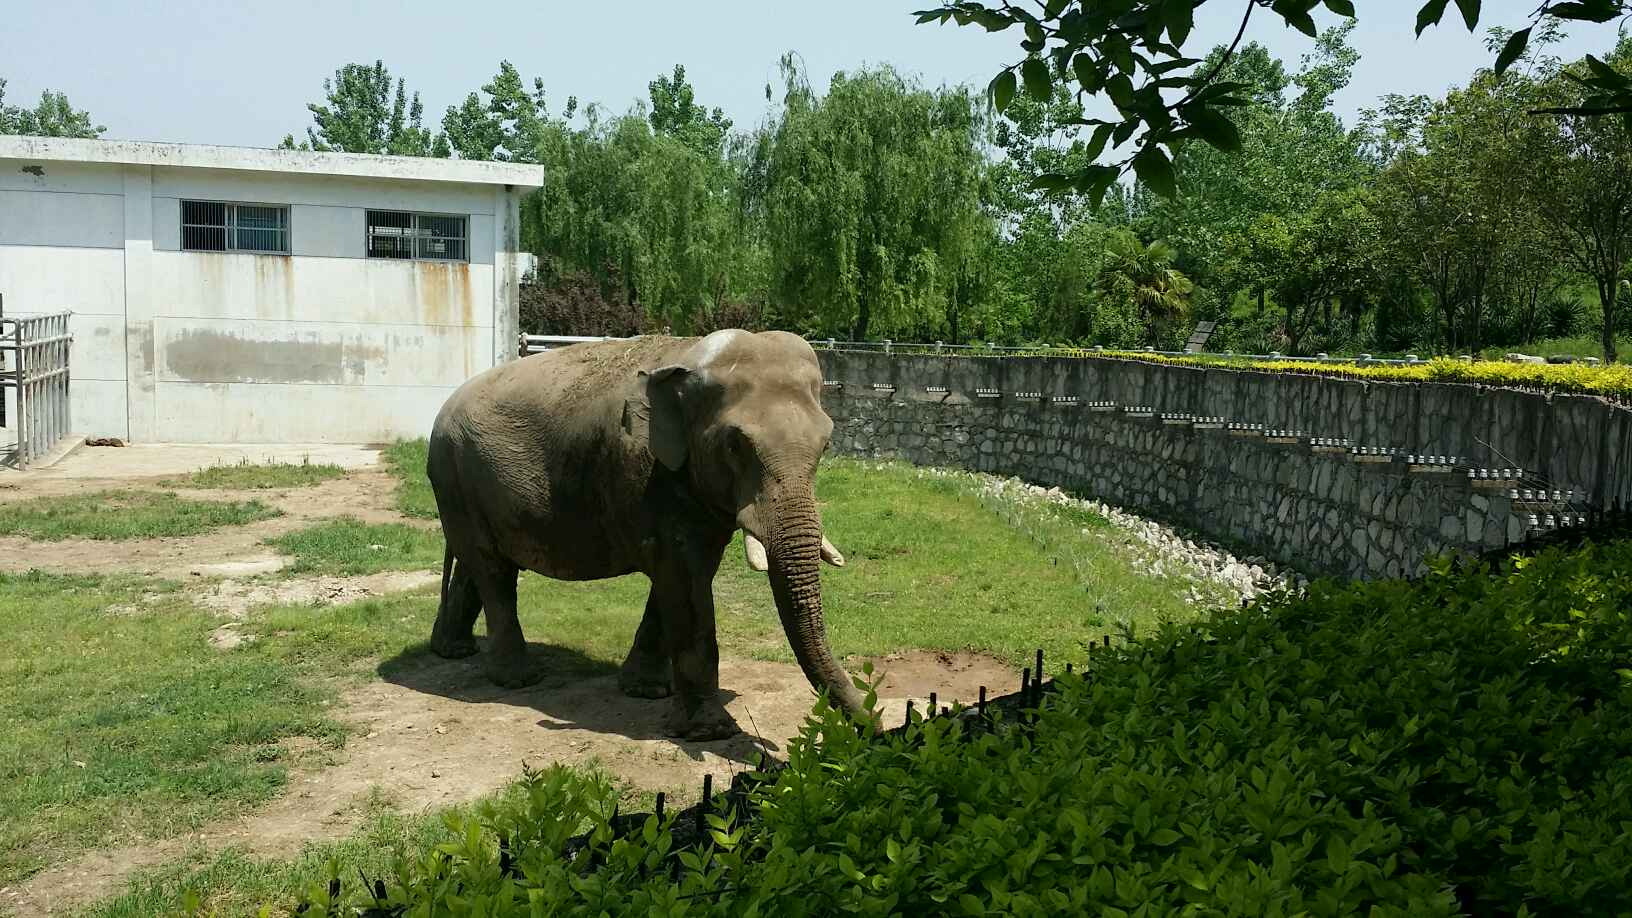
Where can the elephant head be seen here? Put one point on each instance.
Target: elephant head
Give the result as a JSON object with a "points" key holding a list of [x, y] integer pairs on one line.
{"points": [[740, 415]]}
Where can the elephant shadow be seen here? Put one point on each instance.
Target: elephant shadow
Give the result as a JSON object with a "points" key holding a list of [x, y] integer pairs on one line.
{"points": [[576, 693]]}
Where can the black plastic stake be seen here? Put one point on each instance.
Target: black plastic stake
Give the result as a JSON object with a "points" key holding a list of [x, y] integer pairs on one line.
{"points": [[980, 706], [1025, 685], [1039, 667], [1107, 642], [702, 811], [1068, 669], [659, 806], [933, 709]]}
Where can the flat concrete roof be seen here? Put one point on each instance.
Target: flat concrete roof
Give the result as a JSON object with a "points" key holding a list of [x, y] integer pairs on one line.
{"points": [[255, 159]]}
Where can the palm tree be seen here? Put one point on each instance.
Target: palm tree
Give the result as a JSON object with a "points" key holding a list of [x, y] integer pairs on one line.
{"points": [[1143, 277]]}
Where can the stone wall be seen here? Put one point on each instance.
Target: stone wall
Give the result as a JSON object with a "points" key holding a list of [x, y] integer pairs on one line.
{"points": [[1077, 424]]}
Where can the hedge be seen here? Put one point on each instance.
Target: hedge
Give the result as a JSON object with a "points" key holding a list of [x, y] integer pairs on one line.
{"points": [[1456, 744], [1610, 381]]}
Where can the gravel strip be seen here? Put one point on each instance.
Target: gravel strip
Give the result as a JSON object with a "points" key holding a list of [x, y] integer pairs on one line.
{"points": [[1166, 551]]}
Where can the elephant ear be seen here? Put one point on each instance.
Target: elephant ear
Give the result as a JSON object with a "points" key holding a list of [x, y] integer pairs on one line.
{"points": [[666, 416]]}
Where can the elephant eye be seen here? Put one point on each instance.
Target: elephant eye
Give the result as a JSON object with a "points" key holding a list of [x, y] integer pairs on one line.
{"points": [[738, 442]]}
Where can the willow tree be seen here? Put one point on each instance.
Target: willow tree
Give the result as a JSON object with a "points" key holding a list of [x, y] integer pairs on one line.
{"points": [[872, 204]]}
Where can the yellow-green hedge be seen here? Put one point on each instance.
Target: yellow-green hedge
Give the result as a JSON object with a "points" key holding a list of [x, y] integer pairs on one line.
{"points": [[1611, 380]]}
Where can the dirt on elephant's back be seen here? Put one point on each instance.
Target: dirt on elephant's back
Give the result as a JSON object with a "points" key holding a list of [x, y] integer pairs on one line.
{"points": [[601, 364]]}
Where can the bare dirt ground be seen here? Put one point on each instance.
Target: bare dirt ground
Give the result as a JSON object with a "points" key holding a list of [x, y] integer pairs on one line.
{"points": [[438, 734], [367, 494]]}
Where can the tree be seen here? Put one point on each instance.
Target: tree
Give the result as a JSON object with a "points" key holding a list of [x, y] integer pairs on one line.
{"points": [[509, 127], [52, 116], [675, 113], [1458, 205], [363, 116], [1293, 149], [652, 220], [1142, 277], [873, 204], [1589, 196], [1318, 265], [1132, 52]]}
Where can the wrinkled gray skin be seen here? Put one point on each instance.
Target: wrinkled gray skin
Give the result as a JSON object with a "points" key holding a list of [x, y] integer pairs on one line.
{"points": [[646, 454]]}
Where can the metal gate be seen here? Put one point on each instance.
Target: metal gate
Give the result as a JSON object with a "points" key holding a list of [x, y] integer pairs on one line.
{"points": [[34, 364]]}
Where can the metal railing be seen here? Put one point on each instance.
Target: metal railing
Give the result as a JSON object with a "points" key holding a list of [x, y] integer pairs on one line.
{"points": [[34, 363], [538, 344], [535, 344]]}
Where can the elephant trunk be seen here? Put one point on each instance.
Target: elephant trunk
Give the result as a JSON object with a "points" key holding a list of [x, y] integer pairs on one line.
{"points": [[793, 542]]}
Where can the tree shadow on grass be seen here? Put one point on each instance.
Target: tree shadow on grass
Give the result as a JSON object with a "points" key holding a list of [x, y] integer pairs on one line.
{"points": [[577, 692]]}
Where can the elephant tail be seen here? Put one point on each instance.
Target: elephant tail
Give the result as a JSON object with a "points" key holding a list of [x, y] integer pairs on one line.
{"points": [[447, 574]]}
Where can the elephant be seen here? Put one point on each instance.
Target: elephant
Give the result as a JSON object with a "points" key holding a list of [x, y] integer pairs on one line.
{"points": [[645, 454]]}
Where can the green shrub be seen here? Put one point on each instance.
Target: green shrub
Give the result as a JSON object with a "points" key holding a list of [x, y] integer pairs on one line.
{"points": [[1607, 380], [1460, 744]]}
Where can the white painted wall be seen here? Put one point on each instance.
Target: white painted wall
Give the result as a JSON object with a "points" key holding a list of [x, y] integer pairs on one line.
{"points": [[322, 345]]}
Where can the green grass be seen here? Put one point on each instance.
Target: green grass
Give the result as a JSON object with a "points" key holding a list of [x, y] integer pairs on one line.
{"points": [[349, 546], [118, 719], [406, 459], [930, 564], [117, 515], [259, 477], [179, 734]]}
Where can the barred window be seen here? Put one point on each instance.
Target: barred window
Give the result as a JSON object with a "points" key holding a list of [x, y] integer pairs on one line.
{"points": [[394, 234], [214, 226]]}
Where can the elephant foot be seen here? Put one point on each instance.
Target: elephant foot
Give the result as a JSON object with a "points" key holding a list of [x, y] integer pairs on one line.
{"points": [[513, 674], [706, 721], [453, 648], [636, 686], [648, 681]]}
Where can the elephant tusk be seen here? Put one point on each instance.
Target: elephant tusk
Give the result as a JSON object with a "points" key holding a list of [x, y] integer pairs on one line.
{"points": [[830, 554], [755, 550]]}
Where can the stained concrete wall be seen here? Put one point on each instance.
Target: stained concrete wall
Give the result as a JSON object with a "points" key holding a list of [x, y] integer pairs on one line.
{"points": [[322, 345], [1321, 512]]}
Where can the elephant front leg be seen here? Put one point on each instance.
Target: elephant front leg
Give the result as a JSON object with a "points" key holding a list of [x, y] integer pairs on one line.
{"points": [[694, 656], [645, 672]]}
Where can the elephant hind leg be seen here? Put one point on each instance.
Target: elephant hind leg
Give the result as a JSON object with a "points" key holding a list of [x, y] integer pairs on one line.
{"points": [[646, 672], [453, 635], [507, 662]]}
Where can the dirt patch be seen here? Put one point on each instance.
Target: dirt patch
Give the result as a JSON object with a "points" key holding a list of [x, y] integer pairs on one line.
{"points": [[952, 676], [438, 733], [366, 494], [233, 598]]}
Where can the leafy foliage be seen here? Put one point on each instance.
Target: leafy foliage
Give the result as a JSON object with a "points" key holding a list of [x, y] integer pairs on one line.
{"points": [[52, 116], [1132, 53], [1458, 744], [875, 208], [872, 204], [361, 115], [510, 127]]}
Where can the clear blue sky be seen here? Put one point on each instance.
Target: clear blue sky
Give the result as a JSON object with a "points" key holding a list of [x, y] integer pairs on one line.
{"points": [[240, 73]]}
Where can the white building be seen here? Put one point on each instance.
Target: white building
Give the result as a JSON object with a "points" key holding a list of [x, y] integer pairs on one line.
{"points": [[234, 295]]}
